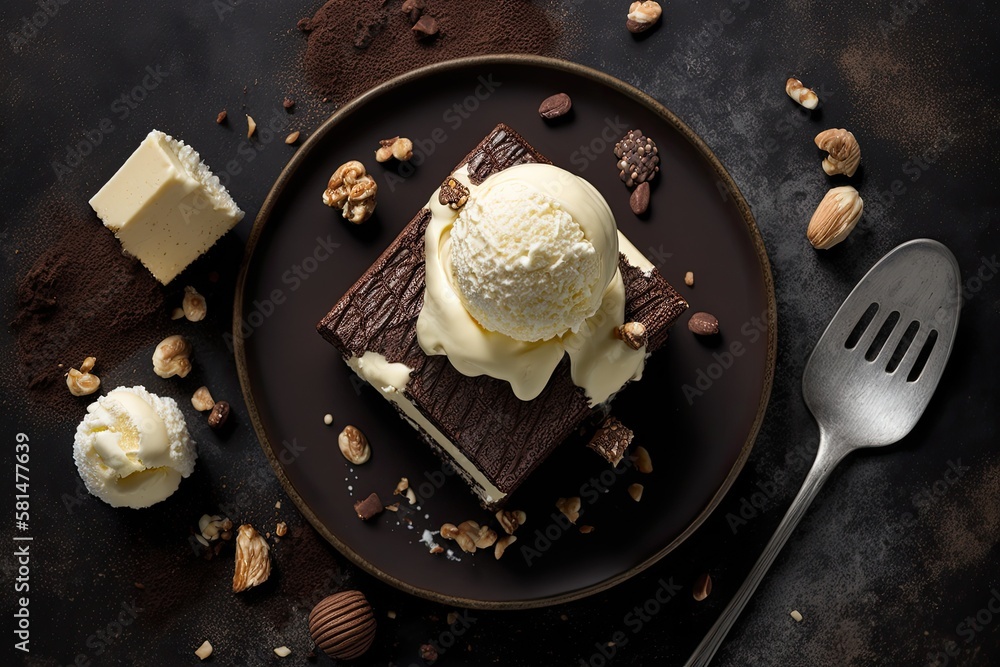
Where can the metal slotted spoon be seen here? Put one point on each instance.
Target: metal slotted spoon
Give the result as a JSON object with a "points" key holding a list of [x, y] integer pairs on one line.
{"points": [[868, 380]]}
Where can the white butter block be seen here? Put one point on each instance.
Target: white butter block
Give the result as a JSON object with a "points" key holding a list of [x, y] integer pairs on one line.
{"points": [[165, 206]]}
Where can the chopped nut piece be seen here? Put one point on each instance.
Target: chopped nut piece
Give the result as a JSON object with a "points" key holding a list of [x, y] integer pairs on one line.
{"points": [[641, 460], [354, 445], [569, 507], [449, 531], [632, 334], [253, 564], [282, 651], [292, 138], [194, 305], [702, 587], [642, 16], [369, 507], [210, 526], [844, 152], [428, 653], [511, 520], [202, 399], [502, 545], [796, 615], [390, 614], [177, 313], [586, 530], [251, 126], [219, 415], [437, 549], [452, 617], [798, 92], [288, 103], [835, 217], [400, 148], [394, 507], [453, 193], [280, 529], [221, 118], [486, 537], [328, 419], [172, 357], [635, 490], [413, 9], [411, 497], [205, 649], [352, 190], [468, 534], [82, 384], [689, 278], [402, 486], [88, 364]]}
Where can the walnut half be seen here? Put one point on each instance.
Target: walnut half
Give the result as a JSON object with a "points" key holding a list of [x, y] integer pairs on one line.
{"points": [[253, 563], [353, 191]]}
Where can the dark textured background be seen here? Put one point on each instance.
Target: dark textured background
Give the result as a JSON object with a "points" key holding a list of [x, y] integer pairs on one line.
{"points": [[886, 567]]}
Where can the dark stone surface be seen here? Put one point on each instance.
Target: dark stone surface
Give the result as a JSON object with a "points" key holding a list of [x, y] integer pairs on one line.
{"points": [[899, 554]]}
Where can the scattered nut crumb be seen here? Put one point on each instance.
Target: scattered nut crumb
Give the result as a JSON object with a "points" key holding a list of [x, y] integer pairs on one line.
{"points": [[563, 617], [253, 562], [82, 382], [280, 529], [437, 549], [251, 126], [411, 497], [390, 614], [632, 334], [586, 530], [205, 649], [428, 653], [221, 118], [202, 399], [400, 148], [354, 445], [449, 531], [511, 520], [394, 507], [282, 651], [292, 138], [702, 587], [277, 505], [689, 278], [288, 103], [452, 617], [172, 357], [798, 92], [570, 507], [640, 457], [402, 486], [194, 305], [796, 615], [328, 419], [635, 490], [139, 586]]}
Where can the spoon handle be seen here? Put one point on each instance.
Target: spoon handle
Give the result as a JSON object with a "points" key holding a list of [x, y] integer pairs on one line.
{"points": [[825, 461]]}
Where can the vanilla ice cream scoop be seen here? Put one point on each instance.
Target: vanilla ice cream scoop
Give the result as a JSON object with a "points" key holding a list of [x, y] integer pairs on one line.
{"points": [[533, 251], [133, 448]]}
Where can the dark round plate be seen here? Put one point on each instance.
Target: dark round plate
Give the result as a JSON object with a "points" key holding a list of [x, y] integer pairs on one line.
{"points": [[302, 256]]}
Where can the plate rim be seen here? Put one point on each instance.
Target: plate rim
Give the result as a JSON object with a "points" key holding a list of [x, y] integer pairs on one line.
{"points": [[289, 170]]}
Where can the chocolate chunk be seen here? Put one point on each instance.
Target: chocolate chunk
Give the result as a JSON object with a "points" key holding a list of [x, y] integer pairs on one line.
{"points": [[219, 415], [555, 106], [639, 201], [413, 9], [369, 507], [611, 440], [638, 158], [453, 194], [426, 27]]}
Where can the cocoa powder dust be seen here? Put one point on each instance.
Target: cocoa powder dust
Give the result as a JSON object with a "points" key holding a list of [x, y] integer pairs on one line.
{"points": [[354, 45]]}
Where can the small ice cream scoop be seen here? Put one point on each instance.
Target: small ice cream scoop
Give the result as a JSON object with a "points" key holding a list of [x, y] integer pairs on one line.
{"points": [[133, 448], [533, 252]]}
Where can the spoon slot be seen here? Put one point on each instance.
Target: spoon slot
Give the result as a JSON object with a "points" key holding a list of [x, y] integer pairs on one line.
{"points": [[861, 326], [925, 354], [882, 336], [902, 346]]}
